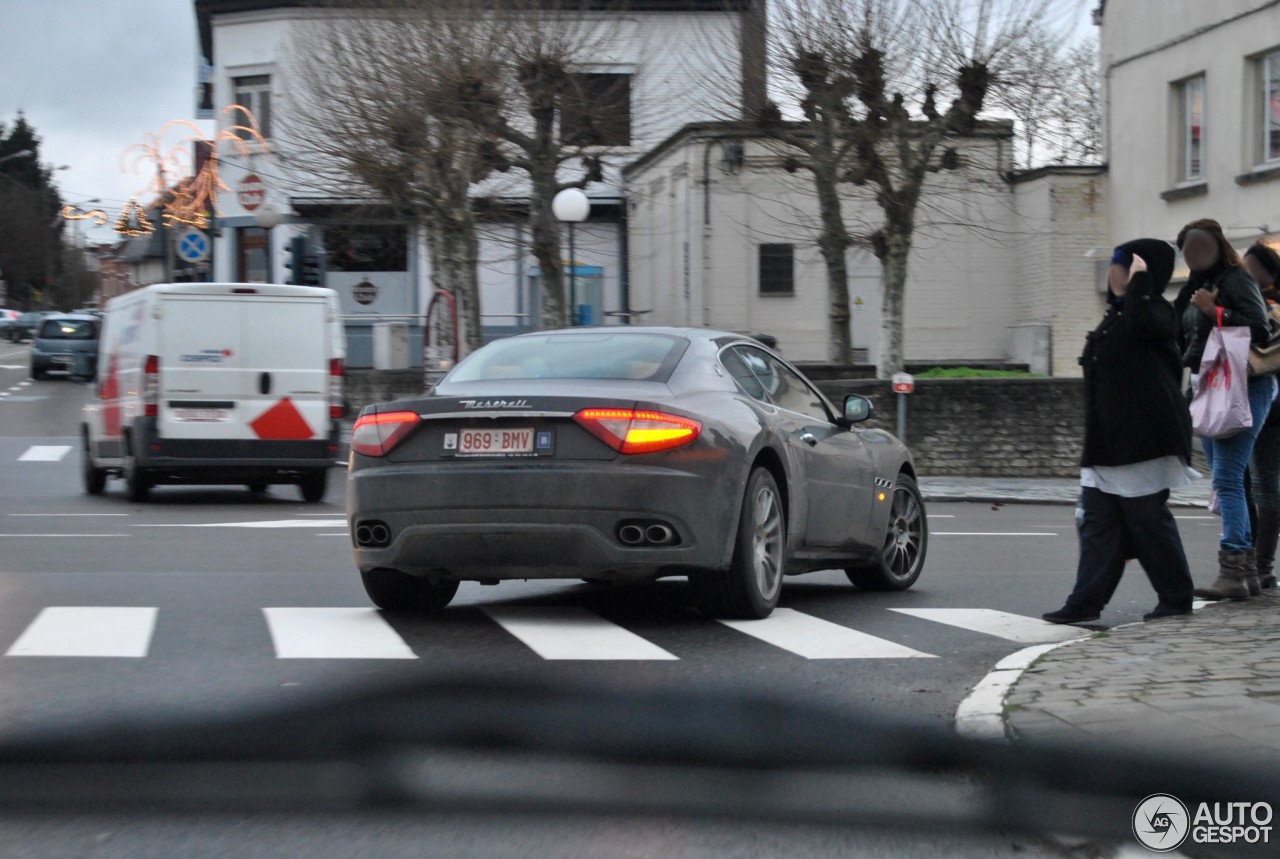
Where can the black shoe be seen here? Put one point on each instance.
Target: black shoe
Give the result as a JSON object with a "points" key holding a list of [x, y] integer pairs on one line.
{"points": [[1071, 614], [1164, 609]]}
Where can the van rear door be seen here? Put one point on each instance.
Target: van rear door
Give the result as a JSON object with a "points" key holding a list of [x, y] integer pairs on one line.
{"points": [[201, 367], [285, 356]]}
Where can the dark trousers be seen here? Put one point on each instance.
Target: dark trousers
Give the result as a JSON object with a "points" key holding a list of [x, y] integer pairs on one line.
{"points": [[1112, 529]]}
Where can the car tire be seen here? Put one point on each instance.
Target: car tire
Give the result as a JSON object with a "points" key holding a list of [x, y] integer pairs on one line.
{"points": [[313, 485], [906, 542], [749, 589], [95, 479], [38, 375], [396, 591], [257, 488], [137, 483]]}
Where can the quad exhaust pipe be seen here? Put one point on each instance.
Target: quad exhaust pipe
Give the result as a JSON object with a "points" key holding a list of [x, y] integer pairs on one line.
{"points": [[372, 534], [647, 533]]}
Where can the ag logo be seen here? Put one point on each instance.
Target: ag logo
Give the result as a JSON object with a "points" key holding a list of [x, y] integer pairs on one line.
{"points": [[1161, 823]]}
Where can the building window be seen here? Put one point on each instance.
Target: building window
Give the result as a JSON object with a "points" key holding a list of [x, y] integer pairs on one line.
{"points": [[367, 247], [1271, 107], [596, 110], [1190, 95], [253, 261], [777, 270], [254, 93]]}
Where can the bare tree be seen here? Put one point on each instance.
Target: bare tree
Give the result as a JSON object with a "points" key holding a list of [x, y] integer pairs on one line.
{"points": [[374, 99], [1054, 94], [883, 89]]}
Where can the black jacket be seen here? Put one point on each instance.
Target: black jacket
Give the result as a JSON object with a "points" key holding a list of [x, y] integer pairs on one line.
{"points": [[1241, 303], [1133, 407]]}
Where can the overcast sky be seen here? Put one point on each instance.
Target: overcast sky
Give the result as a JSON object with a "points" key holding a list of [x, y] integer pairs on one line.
{"points": [[93, 77]]}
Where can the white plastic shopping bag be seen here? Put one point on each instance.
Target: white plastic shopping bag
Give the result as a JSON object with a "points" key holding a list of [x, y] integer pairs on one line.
{"points": [[1220, 407]]}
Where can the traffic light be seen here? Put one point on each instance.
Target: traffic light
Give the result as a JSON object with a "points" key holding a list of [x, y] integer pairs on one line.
{"points": [[305, 267]]}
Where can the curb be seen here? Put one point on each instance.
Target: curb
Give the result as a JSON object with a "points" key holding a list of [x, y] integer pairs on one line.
{"points": [[943, 497], [981, 715]]}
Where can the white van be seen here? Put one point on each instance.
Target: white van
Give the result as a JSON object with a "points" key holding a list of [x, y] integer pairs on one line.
{"points": [[203, 383]]}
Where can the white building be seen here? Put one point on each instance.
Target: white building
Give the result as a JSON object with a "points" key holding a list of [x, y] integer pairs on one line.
{"points": [[723, 235], [1192, 116], [670, 56]]}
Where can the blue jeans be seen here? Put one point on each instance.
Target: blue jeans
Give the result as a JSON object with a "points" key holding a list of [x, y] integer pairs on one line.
{"points": [[1264, 468], [1228, 459]]}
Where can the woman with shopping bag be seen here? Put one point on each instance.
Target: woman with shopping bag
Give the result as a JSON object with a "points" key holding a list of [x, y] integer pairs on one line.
{"points": [[1222, 314]]}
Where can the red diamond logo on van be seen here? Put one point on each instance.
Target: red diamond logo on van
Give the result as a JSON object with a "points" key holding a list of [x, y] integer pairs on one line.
{"points": [[282, 422]]}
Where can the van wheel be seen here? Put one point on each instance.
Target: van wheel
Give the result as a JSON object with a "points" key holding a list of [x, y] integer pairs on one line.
{"points": [[313, 485], [749, 589], [95, 479], [397, 591], [137, 484], [257, 488], [38, 375]]}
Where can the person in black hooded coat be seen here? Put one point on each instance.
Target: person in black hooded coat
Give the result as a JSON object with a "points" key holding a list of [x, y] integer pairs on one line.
{"points": [[1137, 443]]}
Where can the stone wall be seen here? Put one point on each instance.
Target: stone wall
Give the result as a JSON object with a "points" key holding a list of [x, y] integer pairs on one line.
{"points": [[983, 427]]}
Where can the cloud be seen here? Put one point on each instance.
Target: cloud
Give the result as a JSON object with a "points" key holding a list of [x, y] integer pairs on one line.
{"points": [[93, 78]]}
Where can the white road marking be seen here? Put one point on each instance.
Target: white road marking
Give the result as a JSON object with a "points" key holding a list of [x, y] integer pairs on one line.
{"points": [[981, 714], [269, 523], [45, 453], [1195, 517], [64, 535], [568, 632], [87, 631], [814, 638], [24, 384], [941, 516], [993, 534], [334, 633], [66, 514], [1002, 624]]}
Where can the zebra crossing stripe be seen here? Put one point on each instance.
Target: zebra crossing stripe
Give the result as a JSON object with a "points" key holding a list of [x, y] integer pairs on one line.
{"points": [[568, 632], [45, 453], [87, 631], [1002, 624], [334, 633], [815, 638]]}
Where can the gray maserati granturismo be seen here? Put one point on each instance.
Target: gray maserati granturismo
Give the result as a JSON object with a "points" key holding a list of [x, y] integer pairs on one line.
{"points": [[629, 453]]}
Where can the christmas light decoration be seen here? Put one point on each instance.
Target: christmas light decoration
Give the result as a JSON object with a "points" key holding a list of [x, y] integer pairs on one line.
{"points": [[75, 213], [133, 220]]}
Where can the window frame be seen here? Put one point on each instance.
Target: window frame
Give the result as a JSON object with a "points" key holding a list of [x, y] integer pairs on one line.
{"points": [[1185, 89], [761, 268], [577, 110], [240, 85], [828, 409], [1269, 84]]}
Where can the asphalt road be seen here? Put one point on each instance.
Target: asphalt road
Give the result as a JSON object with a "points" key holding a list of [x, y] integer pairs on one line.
{"points": [[208, 600]]}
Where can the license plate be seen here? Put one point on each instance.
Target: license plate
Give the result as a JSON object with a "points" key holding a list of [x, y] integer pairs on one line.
{"points": [[494, 442], [202, 415], [68, 360]]}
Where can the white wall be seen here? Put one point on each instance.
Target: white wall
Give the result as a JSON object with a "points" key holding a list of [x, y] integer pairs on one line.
{"points": [[1142, 115], [960, 292]]}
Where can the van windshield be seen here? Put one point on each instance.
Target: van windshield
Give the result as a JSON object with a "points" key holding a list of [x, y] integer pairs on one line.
{"points": [[69, 329]]}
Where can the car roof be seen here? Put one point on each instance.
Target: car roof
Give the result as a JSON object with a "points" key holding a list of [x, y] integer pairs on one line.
{"points": [[671, 331], [89, 317]]}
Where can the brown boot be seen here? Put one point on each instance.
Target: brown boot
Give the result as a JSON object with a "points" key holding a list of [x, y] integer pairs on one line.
{"points": [[1230, 582], [1264, 542], [1250, 577]]}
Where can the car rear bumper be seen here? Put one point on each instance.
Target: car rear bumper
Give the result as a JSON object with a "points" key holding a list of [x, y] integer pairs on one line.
{"points": [[231, 460], [498, 521]]}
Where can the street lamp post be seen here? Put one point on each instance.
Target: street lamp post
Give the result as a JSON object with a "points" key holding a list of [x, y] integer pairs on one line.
{"points": [[572, 206]]}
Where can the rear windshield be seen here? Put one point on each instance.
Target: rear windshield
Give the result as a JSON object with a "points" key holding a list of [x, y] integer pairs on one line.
{"points": [[69, 329], [641, 357]]}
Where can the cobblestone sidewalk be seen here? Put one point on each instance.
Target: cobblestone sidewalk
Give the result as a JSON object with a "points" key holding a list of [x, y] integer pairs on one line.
{"points": [[1204, 684]]}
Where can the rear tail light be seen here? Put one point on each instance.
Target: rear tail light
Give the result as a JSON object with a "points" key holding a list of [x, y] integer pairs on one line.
{"points": [[638, 430], [151, 387], [337, 389], [377, 434]]}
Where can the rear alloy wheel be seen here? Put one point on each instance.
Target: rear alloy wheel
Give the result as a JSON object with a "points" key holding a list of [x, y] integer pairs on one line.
{"points": [[95, 479], [313, 485], [749, 589], [137, 483], [905, 543], [396, 591]]}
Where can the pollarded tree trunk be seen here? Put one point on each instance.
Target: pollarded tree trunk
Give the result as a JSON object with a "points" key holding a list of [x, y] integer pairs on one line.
{"points": [[893, 252], [833, 242], [454, 249], [544, 243]]}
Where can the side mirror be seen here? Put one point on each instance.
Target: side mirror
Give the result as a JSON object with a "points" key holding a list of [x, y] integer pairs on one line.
{"points": [[857, 408]]}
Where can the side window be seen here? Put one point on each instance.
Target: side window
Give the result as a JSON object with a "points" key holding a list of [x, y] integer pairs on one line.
{"points": [[785, 386], [747, 380]]}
